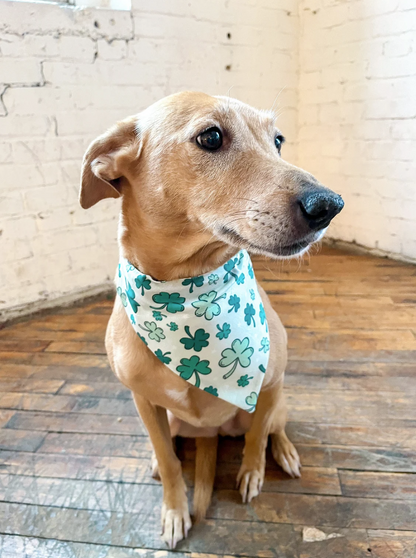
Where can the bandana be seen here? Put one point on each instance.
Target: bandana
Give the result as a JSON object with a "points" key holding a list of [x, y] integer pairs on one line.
{"points": [[210, 330]]}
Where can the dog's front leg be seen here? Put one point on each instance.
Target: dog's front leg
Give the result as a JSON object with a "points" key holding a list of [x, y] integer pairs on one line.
{"points": [[269, 418], [176, 521]]}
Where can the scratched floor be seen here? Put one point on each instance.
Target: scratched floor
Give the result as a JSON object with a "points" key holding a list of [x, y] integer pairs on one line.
{"points": [[74, 475]]}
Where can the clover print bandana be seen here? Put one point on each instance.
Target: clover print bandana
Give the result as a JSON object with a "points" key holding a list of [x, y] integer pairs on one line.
{"points": [[210, 330]]}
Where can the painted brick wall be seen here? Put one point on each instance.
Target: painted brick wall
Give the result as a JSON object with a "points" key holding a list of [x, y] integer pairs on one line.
{"points": [[66, 75], [357, 115]]}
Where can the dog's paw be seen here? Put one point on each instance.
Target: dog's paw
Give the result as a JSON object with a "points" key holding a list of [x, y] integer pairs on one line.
{"points": [[285, 454], [249, 482], [154, 465], [175, 524]]}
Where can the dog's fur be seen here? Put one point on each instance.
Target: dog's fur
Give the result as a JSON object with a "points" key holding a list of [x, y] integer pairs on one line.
{"points": [[185, 212]]}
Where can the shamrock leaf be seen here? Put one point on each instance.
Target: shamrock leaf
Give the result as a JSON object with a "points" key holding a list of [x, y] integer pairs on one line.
{"points": [[252, 294], [250, 271], [131, 296], [251, 400], [170, 302], [213, 279], [191, 366], [155, 333], [234, 302], [142, 283], [197, 281], [207, 306], [172, 326], [249, 313], [229, 266], [262, 314], [265, 345], [239, 353], [123, 296], [132, 319], [243, 381], [240, 279], [198, 342], [163, 356], [262, 369], [224, 331], [158, 316], [212, 390]]}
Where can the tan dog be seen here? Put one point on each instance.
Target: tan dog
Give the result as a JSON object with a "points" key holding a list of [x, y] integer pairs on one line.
{"points": [[200, 178]]}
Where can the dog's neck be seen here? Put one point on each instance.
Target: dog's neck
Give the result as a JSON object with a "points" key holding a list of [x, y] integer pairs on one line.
{"points": [[170, 253]]}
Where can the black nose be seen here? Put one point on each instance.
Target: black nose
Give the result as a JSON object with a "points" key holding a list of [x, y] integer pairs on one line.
{"points": [[320, 207]]}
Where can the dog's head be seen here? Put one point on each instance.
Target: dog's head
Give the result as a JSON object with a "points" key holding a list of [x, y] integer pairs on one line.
{"points": [[207, 170]]}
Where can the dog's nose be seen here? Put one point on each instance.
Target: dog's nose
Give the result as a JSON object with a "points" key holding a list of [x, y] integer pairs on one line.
{"points": [[319, 207]]}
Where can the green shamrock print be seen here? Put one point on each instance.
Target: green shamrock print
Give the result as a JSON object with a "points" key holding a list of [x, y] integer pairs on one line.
{"points": [[133, 321], [123, 296], [207, 306], [239, 353], [265, 345], [131, 295], [249, 313], [262, 315], [243, 381], [142, 338], [163, 357], [142, 283], [234, 302], [224, 331], [191, 366], [229, 266], [155, 333], [250, 271], [252, 294], [262, 369], [158, 316], [170, 302], [197, 342], [193, 281], [251, 400], [213, 279], [212, 390], [172, 326]]}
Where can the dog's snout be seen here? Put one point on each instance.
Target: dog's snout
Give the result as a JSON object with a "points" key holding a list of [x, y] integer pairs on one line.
{"points": [[319, 207]]}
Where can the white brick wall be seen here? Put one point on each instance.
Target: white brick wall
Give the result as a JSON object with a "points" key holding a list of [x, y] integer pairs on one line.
{"points": [[357, 115], [67, 74]]}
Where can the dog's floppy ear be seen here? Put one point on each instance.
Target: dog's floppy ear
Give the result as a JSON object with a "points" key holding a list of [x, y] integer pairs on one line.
{"points": [[106, 160]]}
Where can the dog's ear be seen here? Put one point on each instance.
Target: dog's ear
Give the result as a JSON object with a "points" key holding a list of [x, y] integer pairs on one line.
{"points": [[106, 161]]}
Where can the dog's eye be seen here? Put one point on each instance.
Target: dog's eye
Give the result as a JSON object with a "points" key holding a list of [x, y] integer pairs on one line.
{"points": [[210, 139], [279, 141]]}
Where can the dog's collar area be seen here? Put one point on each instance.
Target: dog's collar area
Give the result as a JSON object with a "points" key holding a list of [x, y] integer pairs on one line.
{"points": [[210, 330]]}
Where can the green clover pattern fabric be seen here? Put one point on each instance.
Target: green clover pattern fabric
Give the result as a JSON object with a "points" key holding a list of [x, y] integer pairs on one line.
{"points": [[210, 330]]}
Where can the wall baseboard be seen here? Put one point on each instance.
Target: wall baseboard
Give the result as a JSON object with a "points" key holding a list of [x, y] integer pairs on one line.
{"points": [[365, 250], [45, 306]]}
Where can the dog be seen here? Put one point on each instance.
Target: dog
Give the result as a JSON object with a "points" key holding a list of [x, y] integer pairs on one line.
{"points": [[201, 178]]}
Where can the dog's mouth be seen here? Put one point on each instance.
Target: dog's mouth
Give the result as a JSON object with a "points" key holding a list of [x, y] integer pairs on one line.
{"points": [[283, 251]]}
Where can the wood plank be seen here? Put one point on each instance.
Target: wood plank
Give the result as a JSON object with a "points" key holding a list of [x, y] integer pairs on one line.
{"points": [[21, 440], [348, 368], [362, 435], [22, 345], [30, 385], [11, 333], [47, 359], [55, 372], [400, 384], [87, 347], [331, 511], [5, 416], [378, 485], [74, 422], [65, 403], [96, 389]]}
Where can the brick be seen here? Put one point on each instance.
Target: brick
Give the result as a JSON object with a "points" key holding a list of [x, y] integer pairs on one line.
{"points": [[22, 72], [114, 50]]}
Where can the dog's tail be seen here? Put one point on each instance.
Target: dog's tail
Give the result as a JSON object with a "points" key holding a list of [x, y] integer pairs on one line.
{"points": [[206, 460]]}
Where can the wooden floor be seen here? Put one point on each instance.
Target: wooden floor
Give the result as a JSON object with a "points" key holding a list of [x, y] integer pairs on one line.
{"points": [[74, 458]]}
